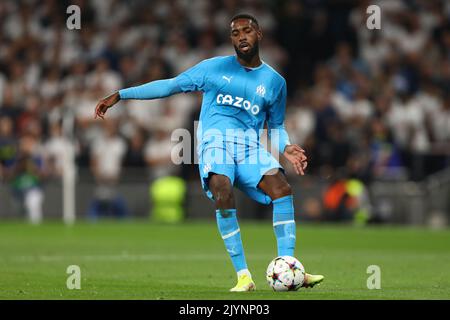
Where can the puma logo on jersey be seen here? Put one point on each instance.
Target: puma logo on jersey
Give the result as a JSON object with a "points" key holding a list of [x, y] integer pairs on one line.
{"points": [[228, 79], [238, 102]]}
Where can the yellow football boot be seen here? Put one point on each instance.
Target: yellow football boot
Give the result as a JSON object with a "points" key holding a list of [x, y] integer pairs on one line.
{"points": [[245, 283]]}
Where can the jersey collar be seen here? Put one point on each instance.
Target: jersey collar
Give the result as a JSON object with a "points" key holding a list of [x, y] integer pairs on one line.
{"points": [[248, 68]]}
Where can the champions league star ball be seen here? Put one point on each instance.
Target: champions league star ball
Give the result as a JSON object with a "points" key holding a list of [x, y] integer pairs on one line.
{"points": [[285, 273]]}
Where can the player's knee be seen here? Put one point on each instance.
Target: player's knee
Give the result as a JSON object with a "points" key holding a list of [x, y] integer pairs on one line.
{"points": [[224, 198], [222, 191], [281, 191]]}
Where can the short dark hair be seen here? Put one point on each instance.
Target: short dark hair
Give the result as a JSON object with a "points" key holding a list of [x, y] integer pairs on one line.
{"points": [[244, 16]]}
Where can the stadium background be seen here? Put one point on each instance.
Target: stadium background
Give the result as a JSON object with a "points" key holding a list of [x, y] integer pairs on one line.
{"points": [[371, 107]]}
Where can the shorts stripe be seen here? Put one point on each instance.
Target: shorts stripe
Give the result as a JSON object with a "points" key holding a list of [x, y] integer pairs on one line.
{"points": [[283, 222], [231, 234]]}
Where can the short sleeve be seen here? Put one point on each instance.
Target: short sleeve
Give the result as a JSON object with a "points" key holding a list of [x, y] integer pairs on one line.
{"points": [[194, 78]]}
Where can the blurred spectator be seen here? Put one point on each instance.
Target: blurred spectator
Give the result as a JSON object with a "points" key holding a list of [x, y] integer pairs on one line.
{"points": [[158, 152], [300, 120], [26, 178], [56, 150], [134, 156], [312, 209], [29, 120], [9, 108], [346, 200], [107, 154], [8, 145], [385, 159]]}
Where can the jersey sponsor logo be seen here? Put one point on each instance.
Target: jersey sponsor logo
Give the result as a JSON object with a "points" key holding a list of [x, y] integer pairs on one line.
{"points": [[261, 90], [238, 102]]}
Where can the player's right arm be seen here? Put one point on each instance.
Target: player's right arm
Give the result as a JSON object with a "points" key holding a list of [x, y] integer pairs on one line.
{"points": [[152, 90], [193, 79]]}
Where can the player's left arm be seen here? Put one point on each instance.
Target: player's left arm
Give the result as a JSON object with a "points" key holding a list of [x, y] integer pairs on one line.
{"points": [[278, 134]]}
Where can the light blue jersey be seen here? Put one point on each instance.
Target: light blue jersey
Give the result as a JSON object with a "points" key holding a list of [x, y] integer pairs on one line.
{"points": [[237, 101], [236, 97]]}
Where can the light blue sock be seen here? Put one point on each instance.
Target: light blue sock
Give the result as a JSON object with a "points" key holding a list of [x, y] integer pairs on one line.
{"points": [[284, 225], [231, 235]]}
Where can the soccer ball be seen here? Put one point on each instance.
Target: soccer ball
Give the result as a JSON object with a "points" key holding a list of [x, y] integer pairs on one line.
{"points": [[285, 273]]}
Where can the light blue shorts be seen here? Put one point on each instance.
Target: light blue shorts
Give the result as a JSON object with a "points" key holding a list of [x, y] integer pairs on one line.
{"points": [[244, 165]]}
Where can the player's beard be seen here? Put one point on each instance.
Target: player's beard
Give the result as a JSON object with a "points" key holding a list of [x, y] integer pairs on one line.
{"points": [[247, 56]]}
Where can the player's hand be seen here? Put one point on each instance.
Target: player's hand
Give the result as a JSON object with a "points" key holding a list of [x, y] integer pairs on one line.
{"points": [[296, 156], [105, 104]]}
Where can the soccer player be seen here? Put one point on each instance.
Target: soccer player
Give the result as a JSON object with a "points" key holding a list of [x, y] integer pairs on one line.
{"points": [[240, 94]]}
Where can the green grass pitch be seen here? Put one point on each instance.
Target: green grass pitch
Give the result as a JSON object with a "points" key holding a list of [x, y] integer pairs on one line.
{"points": [[141, 260]]}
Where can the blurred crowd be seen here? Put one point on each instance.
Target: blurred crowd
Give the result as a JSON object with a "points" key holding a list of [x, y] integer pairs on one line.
{"points": [[374, 103], [365, 104]]}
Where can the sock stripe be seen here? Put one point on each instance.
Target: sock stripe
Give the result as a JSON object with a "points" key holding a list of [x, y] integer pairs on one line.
{"points": [[231, 234], [283, 222]]}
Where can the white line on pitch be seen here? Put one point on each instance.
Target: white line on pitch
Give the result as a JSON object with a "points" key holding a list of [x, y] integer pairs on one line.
{"points": [[125, 257]]}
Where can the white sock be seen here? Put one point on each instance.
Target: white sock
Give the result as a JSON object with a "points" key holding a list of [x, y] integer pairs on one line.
{"points": [[244, 271]]}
